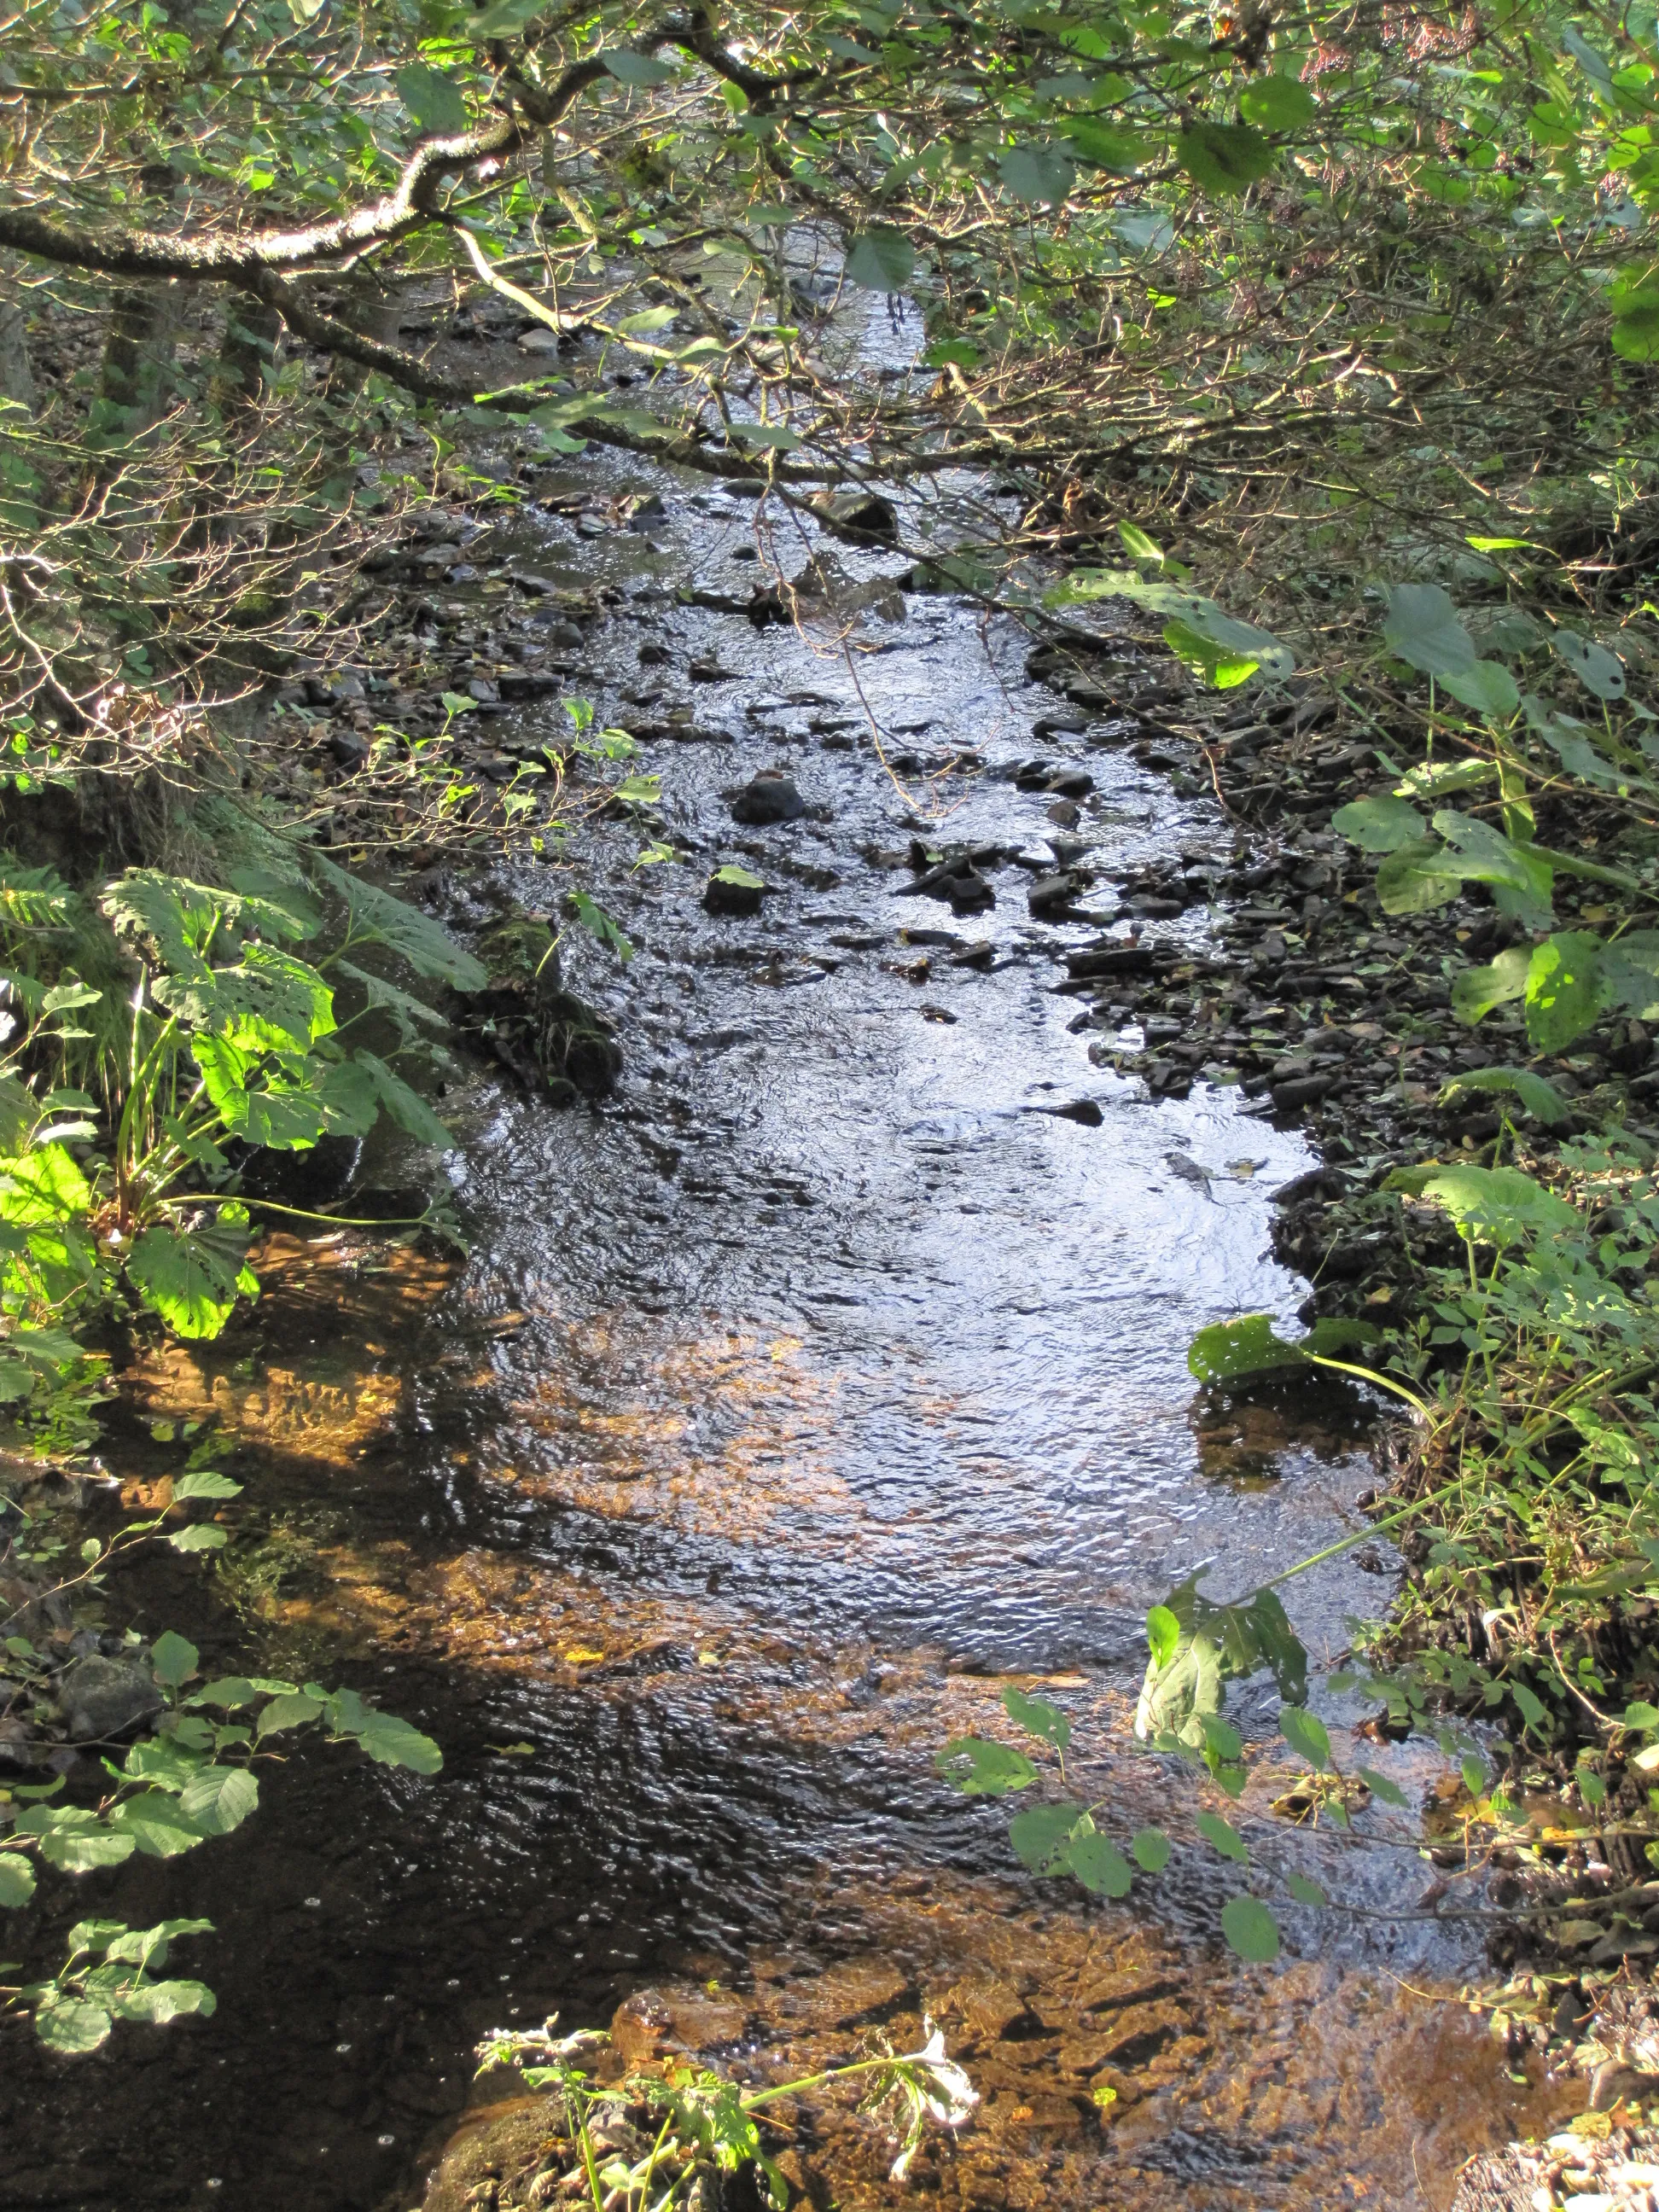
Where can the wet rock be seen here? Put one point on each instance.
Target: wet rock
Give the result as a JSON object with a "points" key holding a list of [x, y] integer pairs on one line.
{"points": [[550, 1039], [767, 801], [518, 684], [725, 894], [103, 1697], [1063, 725], [496, 2155], [862, 515], [1615, 2172], [648, 514], [1084, 1111], [653, 2021], [1071, 783], [1300, 1091], [1115, 958], [1050, 896], [968, 892]]}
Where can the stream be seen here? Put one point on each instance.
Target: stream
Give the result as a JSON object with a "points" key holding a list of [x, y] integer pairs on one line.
{"points": [[823, 1381]]}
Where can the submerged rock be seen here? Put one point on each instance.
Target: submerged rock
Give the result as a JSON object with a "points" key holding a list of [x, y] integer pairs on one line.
{"points": [[767, 801], [549, 1037], [103, 1697]]}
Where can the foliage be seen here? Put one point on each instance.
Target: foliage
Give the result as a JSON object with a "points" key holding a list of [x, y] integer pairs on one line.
{"points": [[189, 1779], [694, 2125]]}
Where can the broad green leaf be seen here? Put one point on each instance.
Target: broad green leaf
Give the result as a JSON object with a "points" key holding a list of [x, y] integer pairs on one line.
{"points": [[1222, 668], [1534, 1713], [203, 1484], [424, 944], [1224, 157], [1306, 1732], [1037, 1718], [161, 2002], [1423, 629], [160, 1760], [433, 99], [77, 1845], [1487, 687], [200, 1536], [1175, 1696], [404, 1104], [1568, 989], [1098, 1863], [1150, 1849], [229, 1692], [16, 1880], [44, 1185], [1223, 1835], [71, 2025], [173, 1659], [502, 19], [1636, 328], [1476, 991], [1305, 1891], [1250, 1929], [629, 68], [1386, 1792], [1106, 146], [1276, 103], [1163, 1634], [294, 1710], [1203, 616], [1036, 174], [1599, 671], [1039, 1835], [156, 1825], [1417, 877], [1630, 971], [1491, 1205], [391, 1741], [743, 878], [1538, 1097], [190, 1278], [1231, 1351], [881, 261], [220, 1798], [979, 1768], [1379, 825]]}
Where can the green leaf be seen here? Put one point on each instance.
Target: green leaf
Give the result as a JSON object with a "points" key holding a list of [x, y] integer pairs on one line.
{"points": [[1201, 616], [229, 1692], [1039, 1835], [1037, 1718], [74, 1840], [743, 878], [16, 1881], [220, 1798], [1416, 877], [293, 1710], [1178, 1695], [391, 1741], [203, 1484], [157, 1826], [1104, 146], [881, 261], [1379, 825], [200, 1536], [1568, 989], [1223, 1834], [172, 1661], [1224, 157], [1304, 1732], [1151, 1849], [1386, 1792], [1538, 1097], [1422, 628], [1534, 1713], [1229, 1351], [629, 68], [190, 1278], [1163, 1634], [1598, 670], [1098, 1863], [1276, 103], [1491, 1206], [1487, 687], [1305, 1891], [404, 1104], [1036, 174], [1636, 328], [1250, 1929], [502, 19], [433, 99], [1476, 991], [424, 944], [979, 1768], [161, 2002], [1222, 668], [71, 2025]]}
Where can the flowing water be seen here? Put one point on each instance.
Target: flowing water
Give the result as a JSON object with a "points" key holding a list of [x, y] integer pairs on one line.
{"points": [[788, 1405]]}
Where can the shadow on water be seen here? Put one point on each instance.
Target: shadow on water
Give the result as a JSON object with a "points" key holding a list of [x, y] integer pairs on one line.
{"points": [[785, 1409]]}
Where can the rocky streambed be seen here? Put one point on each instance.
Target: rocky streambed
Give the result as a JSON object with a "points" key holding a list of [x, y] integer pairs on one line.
{"points": [[823, 1377]]}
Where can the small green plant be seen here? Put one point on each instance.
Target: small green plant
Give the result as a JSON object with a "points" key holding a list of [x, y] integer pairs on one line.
{"points": [[648, 2143]]}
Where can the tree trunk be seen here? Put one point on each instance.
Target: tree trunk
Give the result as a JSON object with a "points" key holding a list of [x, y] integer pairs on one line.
{"points": [[138, 353], [243, 374], [16, 377]]}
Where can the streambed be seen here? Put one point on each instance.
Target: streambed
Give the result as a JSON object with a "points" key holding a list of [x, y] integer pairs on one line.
{"points": [[790, 1404]]}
